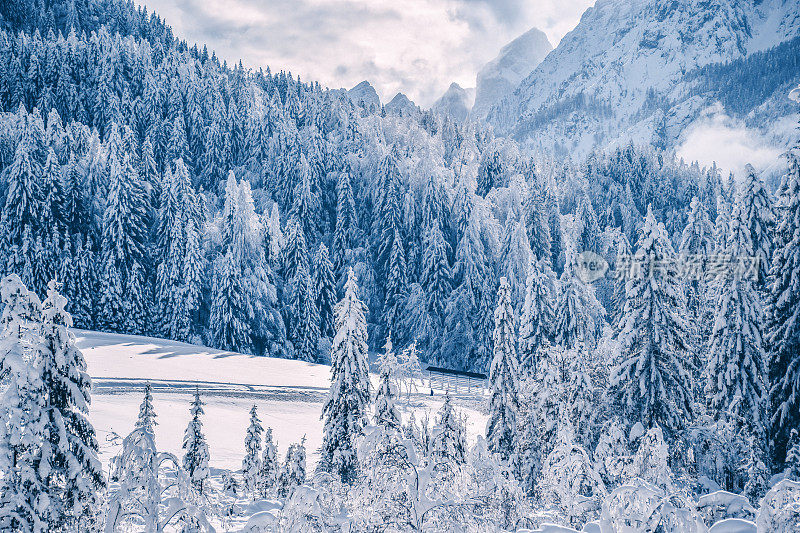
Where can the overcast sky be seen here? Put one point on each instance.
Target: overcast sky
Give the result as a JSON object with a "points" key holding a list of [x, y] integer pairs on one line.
{"points": [[415, 46]]}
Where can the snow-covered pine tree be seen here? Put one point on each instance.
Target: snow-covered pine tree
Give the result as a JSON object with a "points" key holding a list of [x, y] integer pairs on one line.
{"points": [[345, 410], [588, 237], [305, 317], [69, 449], [395, 286], [386, 414], [21, 207], [538, 225], [466, 341], [275, 238], [147, 414], [23, 497], [618, 296], [784, 329], [306, 206], [269, 465], [578, 312], [112, 306], [569, 482], [344, 234], [134, 504], [230, 328], [293, 471], [652, 382], [124, 232], [435, 275], [517, 256], [758, 216], [536, 321], [195, 459], [448, 441], [325, 290], [251, 464], [736, 372], [501, 428], [697, 243], [296, 251], [792, 464]]}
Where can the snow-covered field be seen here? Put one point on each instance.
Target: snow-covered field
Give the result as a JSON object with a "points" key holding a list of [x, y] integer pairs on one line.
{"points": [[289, 395]]}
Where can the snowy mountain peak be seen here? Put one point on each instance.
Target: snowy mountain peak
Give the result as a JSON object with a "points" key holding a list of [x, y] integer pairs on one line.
{"points": [[624, 72], [364, 93], [516, 60], [401, 105], [455, 103]]}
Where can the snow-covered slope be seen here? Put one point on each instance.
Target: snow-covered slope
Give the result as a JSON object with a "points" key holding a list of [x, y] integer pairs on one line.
{"points": [[622, 72], [502, 75], [289, 395], [364, 94], [455, 103], [401, 105]]}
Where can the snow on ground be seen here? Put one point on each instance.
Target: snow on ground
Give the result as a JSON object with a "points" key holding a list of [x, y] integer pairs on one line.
{"points": [[289, 395]]}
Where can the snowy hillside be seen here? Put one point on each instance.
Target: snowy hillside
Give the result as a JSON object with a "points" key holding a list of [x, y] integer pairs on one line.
{"points": [[289, 395], [516, 60], [621, 73]]}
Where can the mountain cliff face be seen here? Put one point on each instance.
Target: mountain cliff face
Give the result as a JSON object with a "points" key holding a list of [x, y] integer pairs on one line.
{"points": [[516, 60], [401, 105], [628, 71], [364, 94], [455, 103]]}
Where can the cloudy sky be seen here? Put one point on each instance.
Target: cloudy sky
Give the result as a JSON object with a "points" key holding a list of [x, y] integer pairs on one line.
{"points": [[415, 46]]}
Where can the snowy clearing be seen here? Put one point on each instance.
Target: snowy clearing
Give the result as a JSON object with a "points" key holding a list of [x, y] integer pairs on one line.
{"points": [[289, 395]]}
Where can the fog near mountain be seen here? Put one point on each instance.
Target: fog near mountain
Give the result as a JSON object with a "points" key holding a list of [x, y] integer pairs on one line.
{"points": [[498, 78], [640, 71]]}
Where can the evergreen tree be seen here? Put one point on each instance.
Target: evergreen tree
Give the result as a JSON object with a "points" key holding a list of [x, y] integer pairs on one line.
{"points": [[296, 251], [21, 208], [135, 502], [195, 459], [293, 471], [69, 449], [325, 290], [435, 276], [737, 363], [577, 312], [618, 295], [112, 305], [448, 442], [305, 317], [517, 255], [501, 428], [230, 329], [251, 464], [125, 223], [269, 465], [536, 322], [759, 218], [344, 236], [23, 492], [784, 329], [345, 409], [538, 226], [652, 381], [147, 414], [386, 414], [466, 342]]}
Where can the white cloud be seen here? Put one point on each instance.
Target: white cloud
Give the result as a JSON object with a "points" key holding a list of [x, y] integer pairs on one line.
{"points": [[718, 138], [418, 46]]}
